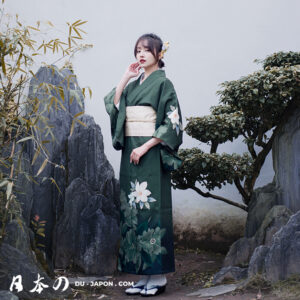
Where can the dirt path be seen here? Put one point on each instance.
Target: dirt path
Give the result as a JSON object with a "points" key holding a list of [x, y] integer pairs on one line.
{"points": [[193, 270]]}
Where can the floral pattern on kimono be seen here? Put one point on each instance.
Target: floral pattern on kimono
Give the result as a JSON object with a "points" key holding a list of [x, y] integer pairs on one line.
{"points": [[132, 245], [171, 129]]}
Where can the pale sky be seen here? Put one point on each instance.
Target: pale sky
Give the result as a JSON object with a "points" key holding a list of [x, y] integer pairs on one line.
{"points": [[211, 41]]}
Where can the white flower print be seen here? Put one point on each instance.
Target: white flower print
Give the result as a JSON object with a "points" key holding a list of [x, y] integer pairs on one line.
{"points": [[174, 116], [139, 194]]}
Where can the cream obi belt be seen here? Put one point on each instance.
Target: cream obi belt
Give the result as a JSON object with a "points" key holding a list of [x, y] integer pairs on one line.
{"points": [[140, 120]]}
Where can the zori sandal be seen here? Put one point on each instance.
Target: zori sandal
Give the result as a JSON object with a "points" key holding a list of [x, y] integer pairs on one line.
{"points": [[135, 289], [153, 290]]}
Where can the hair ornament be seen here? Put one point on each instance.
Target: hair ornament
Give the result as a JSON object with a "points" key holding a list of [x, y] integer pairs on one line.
{"points": [[164, 49]]}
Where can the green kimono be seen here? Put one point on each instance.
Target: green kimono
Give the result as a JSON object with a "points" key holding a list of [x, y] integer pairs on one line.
{"points": [[146, 224]]}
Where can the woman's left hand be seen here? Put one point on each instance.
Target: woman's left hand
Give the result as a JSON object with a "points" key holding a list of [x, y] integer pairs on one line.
{"points": [[137, 153]]}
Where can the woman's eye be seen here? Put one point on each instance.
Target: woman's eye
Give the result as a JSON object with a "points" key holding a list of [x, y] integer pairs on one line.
{"points": [[138, 51]]}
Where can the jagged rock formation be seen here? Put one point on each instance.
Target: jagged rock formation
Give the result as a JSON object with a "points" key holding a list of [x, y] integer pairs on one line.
{"points": [[17, 258], [271, 242], [87, 181], [82, 220], [286, 162]]}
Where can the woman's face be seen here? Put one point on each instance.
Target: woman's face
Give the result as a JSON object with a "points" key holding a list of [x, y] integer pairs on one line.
{"points": [[144, 56]]}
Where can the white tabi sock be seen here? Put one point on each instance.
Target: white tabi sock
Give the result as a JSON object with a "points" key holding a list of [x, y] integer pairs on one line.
{"points": [[143, 280], [159, 279]]}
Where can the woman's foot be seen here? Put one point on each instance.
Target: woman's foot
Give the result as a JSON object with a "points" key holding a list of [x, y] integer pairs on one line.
{"points": [[155, 285], [137, 287]]}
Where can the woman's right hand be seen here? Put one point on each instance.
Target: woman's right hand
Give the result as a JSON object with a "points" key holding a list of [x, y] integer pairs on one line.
{"points": [[133, 70]]}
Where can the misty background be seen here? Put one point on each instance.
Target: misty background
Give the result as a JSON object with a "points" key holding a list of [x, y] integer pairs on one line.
{"points": [[211, 41]]}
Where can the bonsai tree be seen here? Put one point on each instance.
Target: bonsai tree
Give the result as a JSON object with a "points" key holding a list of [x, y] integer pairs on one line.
{"points": [[255, 107], [18, 50]]}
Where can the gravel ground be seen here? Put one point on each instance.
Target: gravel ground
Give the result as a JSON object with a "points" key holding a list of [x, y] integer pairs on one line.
{"points": [[194, 270]]}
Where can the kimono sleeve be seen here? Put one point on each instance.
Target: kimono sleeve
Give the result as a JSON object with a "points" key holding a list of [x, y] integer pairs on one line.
{"points": [[117, 115], [170, 127]]}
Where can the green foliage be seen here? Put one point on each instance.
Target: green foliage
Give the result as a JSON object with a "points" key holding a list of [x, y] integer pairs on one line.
{"points": [[263, 95], [280, 59], [38, 229], [211, 170], [249, 107], [220, 127]]}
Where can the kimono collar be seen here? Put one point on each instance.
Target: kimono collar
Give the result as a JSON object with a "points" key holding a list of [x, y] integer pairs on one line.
{"points": [[153, 75], [138, 88]]}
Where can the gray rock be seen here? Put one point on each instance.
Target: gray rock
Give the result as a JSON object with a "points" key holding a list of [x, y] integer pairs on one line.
{"points": [[270, 208], [19, 236], [47, 202], [240, 252], [263, 199], [88, 232], [274, 220], [14, 263], [82, 222], [257, 261], [86, 157], [214, 291], [230, 273], [6, 295], [18, 258], [283, 258], [286, 162]]}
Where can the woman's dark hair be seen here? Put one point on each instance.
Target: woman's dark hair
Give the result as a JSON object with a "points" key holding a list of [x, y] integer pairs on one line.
{"points": [[154, 44]]}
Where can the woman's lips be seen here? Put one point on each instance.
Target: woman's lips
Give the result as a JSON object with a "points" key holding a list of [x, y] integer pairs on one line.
{"points": [[142, 61]]}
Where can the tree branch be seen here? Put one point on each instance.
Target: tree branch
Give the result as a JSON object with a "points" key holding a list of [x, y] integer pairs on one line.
{"points": [[250, 182], [209, 195], [242, 191]]}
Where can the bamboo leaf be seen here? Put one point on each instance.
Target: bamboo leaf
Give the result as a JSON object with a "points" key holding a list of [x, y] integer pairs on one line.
{"points": [[74, 24], [78, 114], [81, 23], [42, 166], [33, 73], [31, 27], [9, 189], [62, 106], [77, 32], [40, 230], [61, 93], [4, 182], [24, 139], [3, 65], [20, 223], [83, 124], [53, 181], [50, 23], [72, 127]]}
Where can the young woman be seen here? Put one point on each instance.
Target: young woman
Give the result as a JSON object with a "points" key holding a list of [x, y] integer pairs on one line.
{"points": [[146, 124]]}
